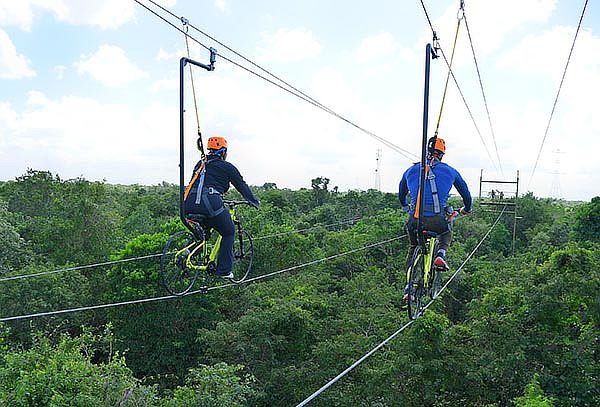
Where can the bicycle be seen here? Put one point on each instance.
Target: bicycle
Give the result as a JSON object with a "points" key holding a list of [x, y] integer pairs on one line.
{"points": [[423, 277], [188, 256]]}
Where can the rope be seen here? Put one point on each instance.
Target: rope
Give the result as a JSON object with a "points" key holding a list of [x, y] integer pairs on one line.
{"points": [[459, 89], [437, 127], [187, 47], [391, 337], [483, 94], [558, 92], [202, 290], [309, 100]]}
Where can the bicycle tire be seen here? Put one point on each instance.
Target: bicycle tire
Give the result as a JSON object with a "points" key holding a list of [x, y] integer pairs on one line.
{"points": [[435, 275], [243, 252], [416, 288], [175, 276]]}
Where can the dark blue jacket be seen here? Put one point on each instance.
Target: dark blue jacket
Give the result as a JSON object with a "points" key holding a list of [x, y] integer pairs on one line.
{"points": [[445, 178], [219, 174]]}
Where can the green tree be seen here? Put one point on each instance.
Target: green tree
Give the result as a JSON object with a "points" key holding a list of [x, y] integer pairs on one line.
{"points": [[586, 225], [534, 396]]}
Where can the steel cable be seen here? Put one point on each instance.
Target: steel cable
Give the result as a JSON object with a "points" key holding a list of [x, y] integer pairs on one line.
{"points": [[309, 100], [409, 323], [558, 92], [201, 290]]}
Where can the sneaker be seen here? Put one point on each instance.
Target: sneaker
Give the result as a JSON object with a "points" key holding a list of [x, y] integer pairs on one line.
{"points": [[230, 275], [440, 262], [405, 297]]}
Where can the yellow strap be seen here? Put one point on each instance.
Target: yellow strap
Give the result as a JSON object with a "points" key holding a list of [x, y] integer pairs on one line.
{"points": [[437, 127]]}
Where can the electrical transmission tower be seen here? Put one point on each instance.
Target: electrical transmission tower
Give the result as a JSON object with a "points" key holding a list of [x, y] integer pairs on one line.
{"points": [[556, 190], [378, 171]]}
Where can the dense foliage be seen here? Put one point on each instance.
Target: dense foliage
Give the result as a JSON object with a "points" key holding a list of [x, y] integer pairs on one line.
{"points": [[512, 330]]}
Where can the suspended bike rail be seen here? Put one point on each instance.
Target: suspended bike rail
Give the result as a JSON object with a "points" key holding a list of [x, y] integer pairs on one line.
{"points": [[199, 291], [396, 333]]}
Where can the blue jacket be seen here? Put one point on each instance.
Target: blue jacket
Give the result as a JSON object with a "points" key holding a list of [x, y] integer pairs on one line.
{"points": [[445, 178]]}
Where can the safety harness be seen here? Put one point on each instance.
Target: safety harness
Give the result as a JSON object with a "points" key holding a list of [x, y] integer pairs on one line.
{"points": [[201, 192]]}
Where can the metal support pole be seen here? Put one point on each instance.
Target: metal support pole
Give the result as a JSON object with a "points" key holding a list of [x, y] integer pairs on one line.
{"points": [[420, 203], [182, 63], [480, 182], [515, 216]]}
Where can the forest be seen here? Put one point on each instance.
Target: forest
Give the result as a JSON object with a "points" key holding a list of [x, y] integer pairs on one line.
{"points": [[513, 329]]}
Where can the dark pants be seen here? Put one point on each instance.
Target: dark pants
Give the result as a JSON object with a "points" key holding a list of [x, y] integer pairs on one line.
{"points": [[437, 224], [223, 224]]}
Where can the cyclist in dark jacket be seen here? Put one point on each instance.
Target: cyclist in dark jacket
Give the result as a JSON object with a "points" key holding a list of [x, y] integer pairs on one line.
{"points": [[208, 201], [441, 177]]}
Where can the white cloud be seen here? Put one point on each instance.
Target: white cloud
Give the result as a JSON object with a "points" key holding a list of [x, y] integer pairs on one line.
{"points": [[222, 5], [76, 136], [289, 46], [109, 65], [12, 64], [376, 47], [105, 14], [59, 71]]}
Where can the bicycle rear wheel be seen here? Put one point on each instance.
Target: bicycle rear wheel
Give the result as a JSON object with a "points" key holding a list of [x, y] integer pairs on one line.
{"points": [[175, 276], [435, 275], [243, 252], [416, 288]]}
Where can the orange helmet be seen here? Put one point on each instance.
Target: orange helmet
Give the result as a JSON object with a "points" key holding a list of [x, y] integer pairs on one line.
{"points": [[436, 144], [216, 143]]}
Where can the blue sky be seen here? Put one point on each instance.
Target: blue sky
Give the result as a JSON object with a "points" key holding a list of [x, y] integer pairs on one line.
{"points": [[90, 88]]}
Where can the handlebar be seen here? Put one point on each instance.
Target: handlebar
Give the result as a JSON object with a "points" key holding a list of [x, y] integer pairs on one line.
{"points": [[231, 204]]}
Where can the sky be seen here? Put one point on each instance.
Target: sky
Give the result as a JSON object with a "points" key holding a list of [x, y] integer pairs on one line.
{"points": [[91, 89]]}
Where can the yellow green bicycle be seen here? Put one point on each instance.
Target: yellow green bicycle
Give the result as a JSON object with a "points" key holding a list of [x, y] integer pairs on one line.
{"points": [[188, 257], [423, 277]]}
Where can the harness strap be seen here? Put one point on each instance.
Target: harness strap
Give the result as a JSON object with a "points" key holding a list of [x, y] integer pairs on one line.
{"points": [[434, 193], [194, 178]]}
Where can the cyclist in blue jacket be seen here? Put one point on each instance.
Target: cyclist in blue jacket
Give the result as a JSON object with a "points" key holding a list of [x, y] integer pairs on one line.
{"points": [[213, 183], [440, 179]]}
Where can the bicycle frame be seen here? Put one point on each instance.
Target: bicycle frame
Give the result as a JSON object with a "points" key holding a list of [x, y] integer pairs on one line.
{"points": [[203, 246], [428, 245]]}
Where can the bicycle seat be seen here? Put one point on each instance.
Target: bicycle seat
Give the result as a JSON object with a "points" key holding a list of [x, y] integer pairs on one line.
{"points": [[429, 233], [196, 217]]}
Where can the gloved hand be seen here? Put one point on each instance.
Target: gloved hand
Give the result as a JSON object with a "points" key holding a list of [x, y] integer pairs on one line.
{"points": [[463, 211], [405, 209]]}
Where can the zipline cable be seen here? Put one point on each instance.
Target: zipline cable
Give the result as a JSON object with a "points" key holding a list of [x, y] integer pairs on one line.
{"points": [[409, 323], [459, 89], [558, 92], [108, 263], [202, 290], [238, 54], [318, 105], [483, 93]]}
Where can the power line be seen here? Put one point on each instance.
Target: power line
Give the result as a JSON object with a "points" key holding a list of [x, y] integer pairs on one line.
{"points": [[558, 92], [409, 323], [458, 87], [483, 93], [201, 290], [296, 93]]}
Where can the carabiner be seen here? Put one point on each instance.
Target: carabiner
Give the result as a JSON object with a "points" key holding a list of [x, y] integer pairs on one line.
{"points": [[460, 14]]}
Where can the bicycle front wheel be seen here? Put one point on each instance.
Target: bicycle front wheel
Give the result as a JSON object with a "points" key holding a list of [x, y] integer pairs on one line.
{"points": [[416, 287], [243, 252], [175, 276]]}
